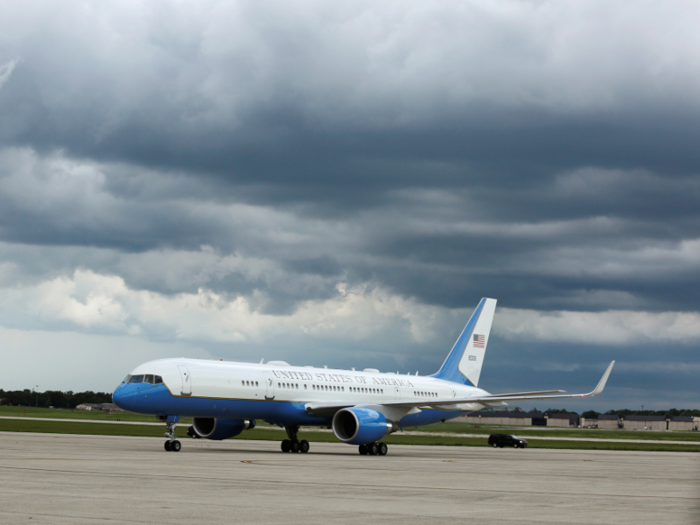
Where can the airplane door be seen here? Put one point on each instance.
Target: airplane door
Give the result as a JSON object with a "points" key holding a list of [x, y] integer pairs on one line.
{"points": [[270, 385], [397, 393], [186, 380]]}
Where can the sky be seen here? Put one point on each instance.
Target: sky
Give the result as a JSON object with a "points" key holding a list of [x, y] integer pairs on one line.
{"points": [[339, 184]]}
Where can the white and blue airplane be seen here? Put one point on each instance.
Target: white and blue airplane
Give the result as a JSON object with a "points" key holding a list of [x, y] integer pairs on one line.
{"points": [[226, 398]]}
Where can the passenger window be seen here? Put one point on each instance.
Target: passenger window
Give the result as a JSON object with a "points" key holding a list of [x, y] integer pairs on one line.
{"points": [[242, 383], [136, 379], [256, 383], [159, 380]]}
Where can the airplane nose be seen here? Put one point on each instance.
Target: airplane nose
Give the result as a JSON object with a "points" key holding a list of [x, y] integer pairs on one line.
{"points": [[123, 398]]}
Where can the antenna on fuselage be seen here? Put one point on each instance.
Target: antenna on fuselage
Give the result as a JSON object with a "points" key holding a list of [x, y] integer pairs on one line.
{"points": [[261, 361]]}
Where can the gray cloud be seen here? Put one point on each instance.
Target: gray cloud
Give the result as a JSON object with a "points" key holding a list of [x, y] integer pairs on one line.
{"points": [[535, 152]]}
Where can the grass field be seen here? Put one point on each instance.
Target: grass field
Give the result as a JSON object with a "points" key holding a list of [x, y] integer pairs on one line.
{"points": [[277, 434], [449, 427], [92, 415]]}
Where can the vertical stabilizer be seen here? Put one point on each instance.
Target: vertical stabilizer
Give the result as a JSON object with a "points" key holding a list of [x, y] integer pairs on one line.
{"points": [[464, 362]]}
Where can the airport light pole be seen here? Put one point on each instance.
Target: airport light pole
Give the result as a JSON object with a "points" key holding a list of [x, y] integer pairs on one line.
{"points": [[37, 396]]}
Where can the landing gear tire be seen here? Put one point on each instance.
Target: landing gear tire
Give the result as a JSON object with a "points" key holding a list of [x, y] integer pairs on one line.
{"points": [[175, 446], [303, 446], [373, 449], [286, 445], [363, 450], [382, 449], [168, 446], [295, 447]]}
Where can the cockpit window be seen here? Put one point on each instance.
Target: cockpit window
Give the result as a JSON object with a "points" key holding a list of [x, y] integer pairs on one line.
{"points": [[136, 379], [158, 381], [148, 379], [126, 379]]}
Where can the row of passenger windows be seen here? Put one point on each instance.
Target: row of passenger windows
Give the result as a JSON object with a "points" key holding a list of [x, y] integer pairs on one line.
{"points": [[143, 378], [425, 394], [249, 383], [363, 390], [331, 388]]}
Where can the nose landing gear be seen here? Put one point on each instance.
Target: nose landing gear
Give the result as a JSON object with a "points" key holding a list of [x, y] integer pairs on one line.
{"points": [[293, 444], [172, 445]]}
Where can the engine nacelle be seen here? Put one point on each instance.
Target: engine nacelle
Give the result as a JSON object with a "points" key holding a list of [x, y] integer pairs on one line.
{"points": [[218, 428], [360, 426]]}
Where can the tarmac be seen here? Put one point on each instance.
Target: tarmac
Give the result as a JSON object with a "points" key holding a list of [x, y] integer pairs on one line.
{"points": [[78, 479]]}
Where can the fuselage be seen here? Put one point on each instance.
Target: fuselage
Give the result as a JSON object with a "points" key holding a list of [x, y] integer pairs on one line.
{"points": [[277, 392]]}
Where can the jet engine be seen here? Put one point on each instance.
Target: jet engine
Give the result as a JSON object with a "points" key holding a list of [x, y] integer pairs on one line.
{"points": [[218, 428], [360, 426]]}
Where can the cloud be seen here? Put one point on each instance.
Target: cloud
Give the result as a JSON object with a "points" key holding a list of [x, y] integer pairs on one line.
{"points": [[608, 328], [227, 173], [6, 70]]}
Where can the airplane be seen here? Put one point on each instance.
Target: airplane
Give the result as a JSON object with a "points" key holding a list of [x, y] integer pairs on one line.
{"points": [[361, 407]]}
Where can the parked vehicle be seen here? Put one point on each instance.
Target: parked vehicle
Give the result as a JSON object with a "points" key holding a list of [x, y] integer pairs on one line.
{"points": [[506, 440]]}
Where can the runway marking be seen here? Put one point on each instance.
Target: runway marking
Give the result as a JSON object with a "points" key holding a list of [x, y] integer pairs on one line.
{"points": [[358, 485]]}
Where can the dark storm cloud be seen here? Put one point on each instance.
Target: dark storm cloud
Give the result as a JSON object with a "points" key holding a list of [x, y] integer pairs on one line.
{"points": [[445, 152]]}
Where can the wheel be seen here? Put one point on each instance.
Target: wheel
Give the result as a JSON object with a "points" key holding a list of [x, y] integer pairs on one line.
{"points": [[515, 446], [500, 446], [383, 449], [175, 446], [373, 449], [495, 445], [286, 445], [363, 450], [168, 446], [303, 446], [295, 447]]}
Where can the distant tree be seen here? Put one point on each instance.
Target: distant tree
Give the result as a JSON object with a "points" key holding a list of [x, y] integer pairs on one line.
{"points": [[560, 411], [54, 398], [590, 414]]}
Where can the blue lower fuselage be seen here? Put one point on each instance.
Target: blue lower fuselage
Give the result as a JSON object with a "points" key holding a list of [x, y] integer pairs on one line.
{"points": [[144, 398]]}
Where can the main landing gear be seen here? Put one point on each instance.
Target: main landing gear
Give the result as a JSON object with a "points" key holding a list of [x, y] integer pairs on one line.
{"points": [[374, 449], [172, 445], [293, 444]]}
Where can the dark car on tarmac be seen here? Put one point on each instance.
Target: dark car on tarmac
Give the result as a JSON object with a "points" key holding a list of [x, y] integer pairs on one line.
{"points": [[506, 440]]}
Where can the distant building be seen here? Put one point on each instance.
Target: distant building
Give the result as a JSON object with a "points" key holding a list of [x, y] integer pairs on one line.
{"points": [[507, 418], [645, 422], [635, 422], [562, 420], [107, 407], [610, 421], [684, 423]]}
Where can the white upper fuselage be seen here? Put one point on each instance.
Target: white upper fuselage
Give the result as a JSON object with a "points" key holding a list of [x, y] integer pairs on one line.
{"points": [[279, 382]]}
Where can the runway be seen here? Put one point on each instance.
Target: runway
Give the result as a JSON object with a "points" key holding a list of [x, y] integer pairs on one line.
{"points": [[62, 479]]}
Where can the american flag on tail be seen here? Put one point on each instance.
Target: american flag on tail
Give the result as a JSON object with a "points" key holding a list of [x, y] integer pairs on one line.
{"points": [[479, 341]]}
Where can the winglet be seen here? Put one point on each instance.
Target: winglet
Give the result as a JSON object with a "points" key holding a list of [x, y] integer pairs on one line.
{"points": [[603, 380]]}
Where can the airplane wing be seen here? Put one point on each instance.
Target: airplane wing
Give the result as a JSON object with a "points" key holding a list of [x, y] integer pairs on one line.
{"points": [[328, 409]]}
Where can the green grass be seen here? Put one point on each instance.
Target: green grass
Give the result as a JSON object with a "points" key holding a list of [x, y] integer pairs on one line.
{"points": [[60, 427], [92, 415], [449, 427]]}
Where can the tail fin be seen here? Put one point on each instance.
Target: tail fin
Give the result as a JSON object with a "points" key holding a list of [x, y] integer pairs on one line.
{"points": [[463, 363]]}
